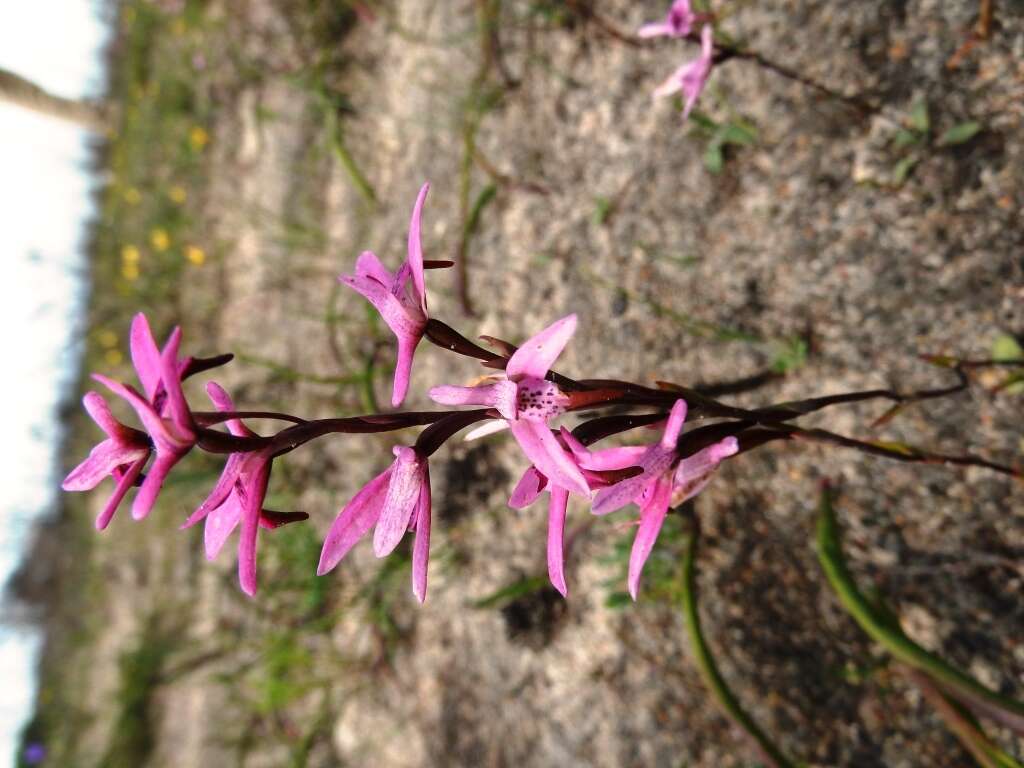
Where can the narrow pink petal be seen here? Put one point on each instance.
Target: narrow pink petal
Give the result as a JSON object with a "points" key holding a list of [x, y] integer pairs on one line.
{"points": [[150, 419], [395, 314], [403, 368], [225, 484], [556, 530], [651, 518], [368, 265], [529, 487], [150, 489], [673, 83], [485, 429], [656, 29], [219, 524], [250, 520], [500, 395], [124, 482], [421, 545], [352, 523], [400, 502], [536, 356], [674, 425], [619, 495], [707, 45], [102, 461], [547, 455], [100, 412], [222, 402], [705, 460], [145, 356], [180, 413], [415, 259]]}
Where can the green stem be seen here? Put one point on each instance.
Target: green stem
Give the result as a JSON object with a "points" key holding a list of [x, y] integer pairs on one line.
{"points": [[887, 633], [708, 668]]}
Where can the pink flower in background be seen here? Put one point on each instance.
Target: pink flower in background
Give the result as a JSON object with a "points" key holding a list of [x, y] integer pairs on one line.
{"points": [[691, 78], [677, 23], [172, 437], [662, 483], [400, 298], [528, 401], [122, 456], [395, 501]]}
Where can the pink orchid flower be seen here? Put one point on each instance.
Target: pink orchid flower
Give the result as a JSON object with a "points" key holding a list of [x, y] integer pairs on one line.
{"points": [[238, 498], [395, 501], [534, 482], [122, 456], [690, 78], [172, 437], [677, 23], [528, 401], [401, 298], [665, 481]]}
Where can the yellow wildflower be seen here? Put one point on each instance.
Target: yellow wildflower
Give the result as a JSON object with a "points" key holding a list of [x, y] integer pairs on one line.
{"points": [[177, 194], [130, 254], [130, 270], [195, 254], [159, 239], [107, 338], [132, 196], [113, 357], [198, 137]]}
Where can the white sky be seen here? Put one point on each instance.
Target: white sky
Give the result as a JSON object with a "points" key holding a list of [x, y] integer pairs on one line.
{"points": [[45, 203]]}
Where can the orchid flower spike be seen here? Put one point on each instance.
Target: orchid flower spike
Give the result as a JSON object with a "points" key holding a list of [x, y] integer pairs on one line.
{"points": [[677, 23], [691, 78], [121, 456], [172, 437], [664, 481], [395, 501], [237, 498], [527, 401], [401, 298]]}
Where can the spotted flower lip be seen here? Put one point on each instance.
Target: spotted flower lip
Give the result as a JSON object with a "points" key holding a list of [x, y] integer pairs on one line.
{"points": [[677, 23], [691, 78], [400, 298], [527, 401], [395, 501]]}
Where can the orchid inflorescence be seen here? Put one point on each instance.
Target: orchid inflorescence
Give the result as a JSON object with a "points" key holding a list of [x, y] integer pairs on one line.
{"points": [[524, 395]]}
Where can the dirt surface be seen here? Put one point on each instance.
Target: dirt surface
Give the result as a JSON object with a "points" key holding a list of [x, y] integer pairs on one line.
{"points": [[604, 207]]}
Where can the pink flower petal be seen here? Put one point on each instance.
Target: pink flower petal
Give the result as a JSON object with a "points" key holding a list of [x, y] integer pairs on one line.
{"points": [[124, 482], [485, 429], [222, 402], [556, 530], [354, 520], [547, 455], [415, 259], [500, 395], [529, 487], [619, 495], [100, 412], [674, 425], [421, 545], [403, 368], [651, 518], [536, 356], [225, 485], [150, 419], [145, 355], [219, 524], [150, 489], [181, 416], [403, 493], [368, 265], [655, 29], [102, 460]]}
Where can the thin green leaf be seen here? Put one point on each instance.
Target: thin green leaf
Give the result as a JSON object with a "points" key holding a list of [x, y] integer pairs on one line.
{"points": [[960, 134], [901, 171], [919, 118]]}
